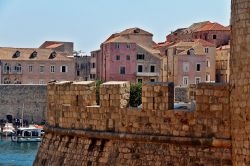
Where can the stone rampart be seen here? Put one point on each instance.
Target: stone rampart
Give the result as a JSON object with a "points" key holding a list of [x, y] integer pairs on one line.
{"points": [[113, 134], [29, 99]]}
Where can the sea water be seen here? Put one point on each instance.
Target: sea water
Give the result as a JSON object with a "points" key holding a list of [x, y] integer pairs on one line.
{"points": [[17, 154]]}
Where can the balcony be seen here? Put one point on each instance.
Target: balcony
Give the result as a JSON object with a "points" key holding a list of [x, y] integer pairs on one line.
{"points": [[147, 74], [12, 72]]}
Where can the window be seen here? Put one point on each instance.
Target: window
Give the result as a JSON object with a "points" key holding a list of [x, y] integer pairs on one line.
{"points": [[18, 68], [152, 69], [140, 68], [206, 50], [64, 69], [6, 81], [77, 73], [208, 77], [41, 81], [93, 65], [140, 56], [128, 46], [214, 36], [198, 67], [7, 68], [128, 58], [41, 68], [185, 67], [117, 57], [92, 76], [208, 63], [152, 80], [122, 70], [30, 68], [197, 80], [117, 45], [185, 81], [52, 69], [139, 80], [166, 52]]}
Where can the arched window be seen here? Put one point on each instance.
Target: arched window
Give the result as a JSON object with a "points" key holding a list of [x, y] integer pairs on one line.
{"points": [[7, 68], [6, 80], [18, 68]]}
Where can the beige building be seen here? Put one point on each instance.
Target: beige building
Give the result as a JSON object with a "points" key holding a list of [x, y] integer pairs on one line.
{"points": [[222, 63], [34, 66], [191, 62]]}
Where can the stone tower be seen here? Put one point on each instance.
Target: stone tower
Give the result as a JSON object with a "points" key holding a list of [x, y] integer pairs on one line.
{"points": [[240, 82]]}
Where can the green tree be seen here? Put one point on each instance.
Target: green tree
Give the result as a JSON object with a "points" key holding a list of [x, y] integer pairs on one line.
{"points": [[135, 94], [98, 83]]}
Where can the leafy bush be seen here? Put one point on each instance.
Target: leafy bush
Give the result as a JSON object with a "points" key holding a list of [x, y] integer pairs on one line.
{"points": [[135, 94], [98, 83]]}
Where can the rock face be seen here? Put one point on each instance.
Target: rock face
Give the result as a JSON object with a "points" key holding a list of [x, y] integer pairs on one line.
{"points": [[239, 80], [80, 133]]}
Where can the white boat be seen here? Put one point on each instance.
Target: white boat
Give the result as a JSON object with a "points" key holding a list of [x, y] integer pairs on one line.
{"points": [[8, 129], [28, 134]]}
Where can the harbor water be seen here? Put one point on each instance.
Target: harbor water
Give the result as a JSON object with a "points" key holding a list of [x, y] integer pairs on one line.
{"points": [[17, 154]]}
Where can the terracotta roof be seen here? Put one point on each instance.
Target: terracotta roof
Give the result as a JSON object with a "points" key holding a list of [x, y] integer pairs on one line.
{"points": [[163, 44], [213, 27], [153, 51], [54, 45], [135, 31], [6, 53], [204, 43], [225, 47], [117, 39]]}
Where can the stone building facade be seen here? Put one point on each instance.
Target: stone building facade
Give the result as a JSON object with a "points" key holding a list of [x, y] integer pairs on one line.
{"points": [[222, 63], [83, 67], [35, 66]]}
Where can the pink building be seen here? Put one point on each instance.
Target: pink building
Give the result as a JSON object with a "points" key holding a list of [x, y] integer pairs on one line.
{"points": [[191, 62], [34, 66], [128, 55]]}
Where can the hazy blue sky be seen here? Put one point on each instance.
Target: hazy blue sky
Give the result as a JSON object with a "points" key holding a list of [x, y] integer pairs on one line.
{"points": [[27, 23]]}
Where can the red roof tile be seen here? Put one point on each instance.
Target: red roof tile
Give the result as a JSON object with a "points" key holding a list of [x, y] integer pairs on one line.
{"points": [[213, 27]]}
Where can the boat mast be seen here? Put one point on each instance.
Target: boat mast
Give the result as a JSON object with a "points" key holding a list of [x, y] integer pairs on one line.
{"points": [[22, 114]]}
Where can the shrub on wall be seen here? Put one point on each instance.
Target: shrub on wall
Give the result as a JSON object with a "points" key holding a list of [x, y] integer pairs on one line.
{"points": [[135, 94], [98, 83]]}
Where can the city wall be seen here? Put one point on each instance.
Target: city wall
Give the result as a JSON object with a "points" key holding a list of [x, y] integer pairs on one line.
{"points": [[29, 99], [78, 132]]}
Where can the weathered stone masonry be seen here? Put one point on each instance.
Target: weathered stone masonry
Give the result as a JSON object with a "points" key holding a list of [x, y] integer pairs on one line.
{"points": [[113, 134], [32, 97]]}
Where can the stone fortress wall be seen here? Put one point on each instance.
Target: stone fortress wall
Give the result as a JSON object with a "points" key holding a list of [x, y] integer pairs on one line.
{"points": [[81, 133], [29, 99]]}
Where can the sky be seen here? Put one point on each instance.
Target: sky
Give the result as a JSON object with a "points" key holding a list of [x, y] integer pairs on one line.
{"points": [[87, 23]]}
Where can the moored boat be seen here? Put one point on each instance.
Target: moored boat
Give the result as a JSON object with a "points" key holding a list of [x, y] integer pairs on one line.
{"points": [[28, 134]]}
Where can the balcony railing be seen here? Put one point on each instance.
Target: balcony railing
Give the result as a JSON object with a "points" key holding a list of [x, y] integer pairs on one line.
{"points": [[147, 74]]}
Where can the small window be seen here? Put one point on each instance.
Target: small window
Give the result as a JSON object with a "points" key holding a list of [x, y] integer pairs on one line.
{"points": [[128, 57], [128, 46], [64, 69], [77, 73], [208, 63], [152, 68], [152, 80], [198, 67], [206, 50], [140, 56], [93, 65], [18, 68], [117, 57], [140, 68], [30, 68], [139, 80], [52, 69], [122, 70], [41, 68], [185, 81], [7, 68], [166, 52], [185, 67], [197, 80], [41, 81], [117, 45], [208, 77], [214, 36]]}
